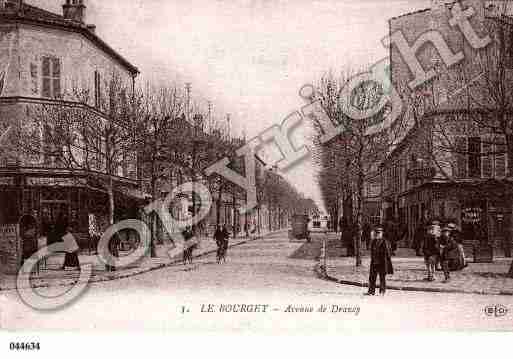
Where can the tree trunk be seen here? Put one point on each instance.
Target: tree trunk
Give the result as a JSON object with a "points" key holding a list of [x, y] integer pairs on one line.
{"points": [[359, 214], [110, 191], [259, 220], [153, 252], [269, 212], [359, 223]]}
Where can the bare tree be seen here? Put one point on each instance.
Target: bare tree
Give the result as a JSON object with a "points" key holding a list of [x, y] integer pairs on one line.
{"points": [[156, 114], [348, 159], [73, 135]]}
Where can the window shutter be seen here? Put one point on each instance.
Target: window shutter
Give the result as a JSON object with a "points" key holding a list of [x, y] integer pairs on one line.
{"points": [[487, 163], [461, 157], [97, 89], [47, 87], [56, 75]]}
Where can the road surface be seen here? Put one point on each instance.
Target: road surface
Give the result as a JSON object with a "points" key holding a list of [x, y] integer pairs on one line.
{"points": [[268, 284]]}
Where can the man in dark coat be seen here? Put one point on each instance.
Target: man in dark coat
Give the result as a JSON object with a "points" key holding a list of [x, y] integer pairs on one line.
{"points": [[221, 236], [381, 262]]}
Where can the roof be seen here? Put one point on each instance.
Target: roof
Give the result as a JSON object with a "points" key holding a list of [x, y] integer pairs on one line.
{"points": [[33, 15], [507, 18]]}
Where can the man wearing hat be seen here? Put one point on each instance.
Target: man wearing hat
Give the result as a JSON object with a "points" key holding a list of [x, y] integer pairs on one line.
{"points": [[451, 256], [431, 249], [381, 262]]}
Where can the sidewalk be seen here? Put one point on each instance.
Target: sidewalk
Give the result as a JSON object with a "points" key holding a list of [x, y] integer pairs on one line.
{"points": [[409, 274], [54, 276]]}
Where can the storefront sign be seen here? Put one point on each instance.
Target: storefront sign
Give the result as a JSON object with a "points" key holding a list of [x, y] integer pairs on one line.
{"points": [[421, 173], [64, 182], [472, 215]]}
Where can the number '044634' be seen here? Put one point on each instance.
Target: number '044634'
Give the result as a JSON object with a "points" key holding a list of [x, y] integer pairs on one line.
{"points": [[25, 346]]}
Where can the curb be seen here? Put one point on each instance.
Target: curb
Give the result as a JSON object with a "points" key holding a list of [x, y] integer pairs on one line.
{"points": [[142, 271], [323, 274]]}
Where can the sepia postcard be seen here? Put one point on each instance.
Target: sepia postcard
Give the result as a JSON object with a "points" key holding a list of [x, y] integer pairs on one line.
{"points": [[255, 166]]}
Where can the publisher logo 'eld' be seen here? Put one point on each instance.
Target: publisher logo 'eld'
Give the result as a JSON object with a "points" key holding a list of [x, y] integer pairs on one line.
{"points": [[496, 311]]}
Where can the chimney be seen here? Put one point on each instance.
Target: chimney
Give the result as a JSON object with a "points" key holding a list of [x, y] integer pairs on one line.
{"points": [[13, 5], [91, 28], [74, 10]]}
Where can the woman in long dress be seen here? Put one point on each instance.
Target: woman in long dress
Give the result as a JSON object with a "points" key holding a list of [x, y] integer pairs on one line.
{"points": [[71, 247]]}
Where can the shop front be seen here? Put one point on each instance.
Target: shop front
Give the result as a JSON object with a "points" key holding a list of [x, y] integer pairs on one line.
{"points": [[51, 203], [481, 210]]}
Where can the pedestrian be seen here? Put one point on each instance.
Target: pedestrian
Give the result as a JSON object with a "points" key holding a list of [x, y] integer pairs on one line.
{"points": [[381, 262], [431, 249], [28, 229], [226, 238], [113, 247], [458, 238], [71, 248], [219, 238], [188, 236], [451, 255]]}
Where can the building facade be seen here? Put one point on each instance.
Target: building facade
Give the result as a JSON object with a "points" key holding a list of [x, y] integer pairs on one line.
{"points": [[45, 60], [451, 164]]}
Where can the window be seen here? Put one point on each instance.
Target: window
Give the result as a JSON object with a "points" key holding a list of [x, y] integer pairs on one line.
{"points": [[97, 89], [487, 146], [500, 160], [34, 80], [51, 77], [461, 157], [474, 157]]}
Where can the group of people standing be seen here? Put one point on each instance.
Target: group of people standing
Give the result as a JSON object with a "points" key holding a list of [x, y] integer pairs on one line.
{"points": [[442, 248]]}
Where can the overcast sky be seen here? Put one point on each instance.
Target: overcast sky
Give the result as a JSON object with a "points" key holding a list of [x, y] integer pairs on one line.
{"points": [[249, 57]]}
